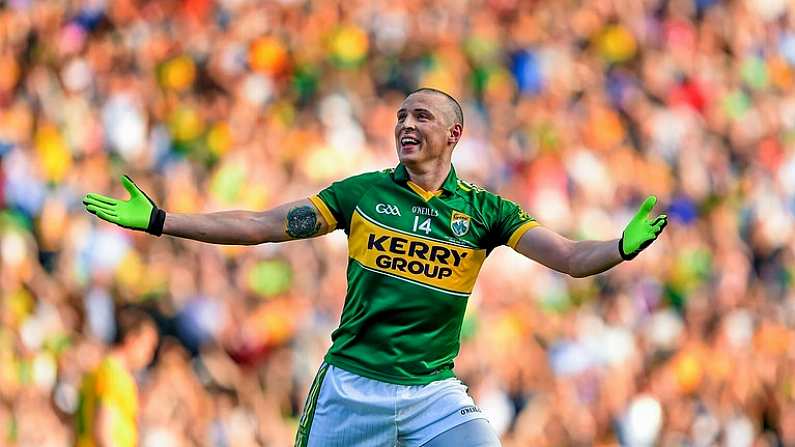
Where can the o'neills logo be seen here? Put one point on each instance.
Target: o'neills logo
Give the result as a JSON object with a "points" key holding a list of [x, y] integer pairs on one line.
{"points": [[466, 410], [417, 257], [424, 211]]}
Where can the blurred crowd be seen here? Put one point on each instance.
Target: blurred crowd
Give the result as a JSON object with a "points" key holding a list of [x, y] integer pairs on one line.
{"points": [[575, 110]]}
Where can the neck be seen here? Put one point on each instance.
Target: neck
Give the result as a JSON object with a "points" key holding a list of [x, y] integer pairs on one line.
{"points": [[121, 355], [430, 176]]}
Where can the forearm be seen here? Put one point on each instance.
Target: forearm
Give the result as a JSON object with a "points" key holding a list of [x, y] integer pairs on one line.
{"points": [[585, 258], [295, 220], [593, 257], [227, 227]]}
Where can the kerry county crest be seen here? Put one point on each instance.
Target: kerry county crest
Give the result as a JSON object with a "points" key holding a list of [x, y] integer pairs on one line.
{"points": [[459, 223]]}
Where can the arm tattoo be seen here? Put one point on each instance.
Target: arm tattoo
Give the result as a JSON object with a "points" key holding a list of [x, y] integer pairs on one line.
{"points": [[302, 222]]}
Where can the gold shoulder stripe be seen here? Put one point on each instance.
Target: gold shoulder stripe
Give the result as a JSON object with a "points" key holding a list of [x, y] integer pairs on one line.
{"points": [[324, 211], [519, 232]]}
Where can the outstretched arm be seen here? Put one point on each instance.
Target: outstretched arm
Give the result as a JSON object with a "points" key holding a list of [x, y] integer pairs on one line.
{"points": [[296, 220], [585, 258], [575, 258]]}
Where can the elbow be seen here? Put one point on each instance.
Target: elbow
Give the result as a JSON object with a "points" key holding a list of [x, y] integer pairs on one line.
{"points": [[572, 268], [255, 237], [577, 262], [576, 269]]}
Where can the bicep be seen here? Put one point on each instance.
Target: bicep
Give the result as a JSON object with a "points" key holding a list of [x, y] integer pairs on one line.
{"points": [[546, 247], [295, 220]]}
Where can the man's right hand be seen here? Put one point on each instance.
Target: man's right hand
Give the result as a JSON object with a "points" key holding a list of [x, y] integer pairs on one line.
{"points": [[137, 213]]}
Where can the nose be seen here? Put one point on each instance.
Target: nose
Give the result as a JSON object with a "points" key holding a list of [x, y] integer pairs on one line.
{"points": [[409, 122]]}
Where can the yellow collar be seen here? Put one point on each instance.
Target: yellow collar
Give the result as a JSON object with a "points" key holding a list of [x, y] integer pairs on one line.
{"points": [[426, 195]]}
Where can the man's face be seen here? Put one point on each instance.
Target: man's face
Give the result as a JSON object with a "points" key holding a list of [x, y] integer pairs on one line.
{"points": [[424, 129]]}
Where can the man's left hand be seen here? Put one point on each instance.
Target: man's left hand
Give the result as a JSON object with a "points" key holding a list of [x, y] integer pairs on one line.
{"points": [[641, 231]]}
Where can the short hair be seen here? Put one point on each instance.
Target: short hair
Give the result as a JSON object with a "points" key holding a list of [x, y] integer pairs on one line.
{"points": [[129, 320], [459, 113]]}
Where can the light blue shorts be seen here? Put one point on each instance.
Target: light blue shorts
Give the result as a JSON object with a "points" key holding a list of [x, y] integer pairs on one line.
{"points": [[347, 410]]}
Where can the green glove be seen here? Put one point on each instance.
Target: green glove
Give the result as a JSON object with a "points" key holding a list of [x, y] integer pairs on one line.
{"points": [[138, 213], [641, 232]]}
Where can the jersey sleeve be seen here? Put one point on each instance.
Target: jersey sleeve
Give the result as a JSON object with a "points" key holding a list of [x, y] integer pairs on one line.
{"points": [[107, 385], [104, 380], [337, 202], [508, 223]]}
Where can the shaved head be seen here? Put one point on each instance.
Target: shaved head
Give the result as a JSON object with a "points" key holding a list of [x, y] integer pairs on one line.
{"points": [[454, 108], [429, 125]]}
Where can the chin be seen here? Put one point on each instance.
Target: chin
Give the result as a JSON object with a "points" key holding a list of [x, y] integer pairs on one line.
{"points": [[403, 157], [413, 156]]}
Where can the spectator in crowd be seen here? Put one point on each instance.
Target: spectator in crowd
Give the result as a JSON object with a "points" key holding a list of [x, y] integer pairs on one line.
{"points": [[107, 413]]}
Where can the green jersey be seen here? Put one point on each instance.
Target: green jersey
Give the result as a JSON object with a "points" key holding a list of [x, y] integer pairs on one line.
{"points": [[414, 257]]}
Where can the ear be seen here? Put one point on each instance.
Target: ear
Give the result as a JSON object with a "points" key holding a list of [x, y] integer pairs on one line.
{"points": [[454, 133]]}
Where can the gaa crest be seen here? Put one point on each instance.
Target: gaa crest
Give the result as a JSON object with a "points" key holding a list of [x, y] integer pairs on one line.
{"points": [[459, 223]]}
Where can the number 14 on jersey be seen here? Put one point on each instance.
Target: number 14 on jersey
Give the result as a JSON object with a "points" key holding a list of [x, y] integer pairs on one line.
{"points": [[424, 226]]}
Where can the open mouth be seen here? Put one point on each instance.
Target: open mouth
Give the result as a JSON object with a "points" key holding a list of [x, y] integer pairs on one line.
{"points": [[408, 143]]}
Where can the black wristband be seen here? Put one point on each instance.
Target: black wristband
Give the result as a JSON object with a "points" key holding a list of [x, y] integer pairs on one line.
{"points": [[156, 221]]}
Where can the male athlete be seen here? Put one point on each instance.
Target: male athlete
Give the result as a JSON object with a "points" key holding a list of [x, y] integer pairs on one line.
{"points": [[417, 237]]}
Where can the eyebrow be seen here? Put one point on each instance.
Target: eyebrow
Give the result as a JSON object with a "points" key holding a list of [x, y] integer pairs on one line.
{"points": [[417, 109]]}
